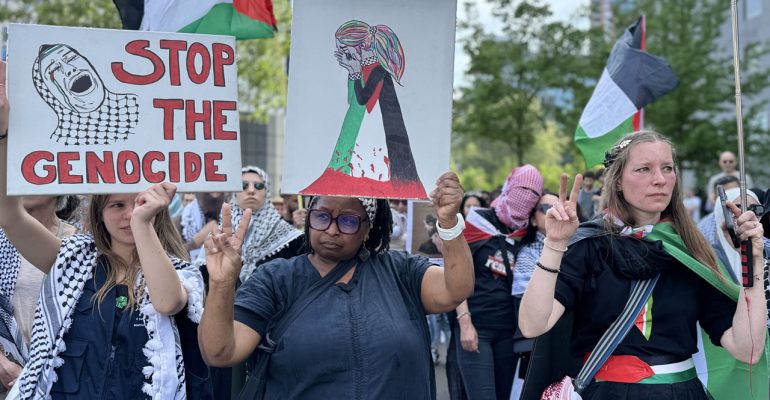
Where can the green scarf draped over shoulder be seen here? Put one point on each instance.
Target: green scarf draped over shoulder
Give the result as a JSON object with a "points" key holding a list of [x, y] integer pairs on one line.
{"points": [[728, 378]]}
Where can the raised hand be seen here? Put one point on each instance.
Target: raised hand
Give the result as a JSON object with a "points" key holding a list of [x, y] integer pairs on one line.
{"points": [[344, 59], [747, 226], [561, 221], [223, 250], [447, 197], [148, 204]]}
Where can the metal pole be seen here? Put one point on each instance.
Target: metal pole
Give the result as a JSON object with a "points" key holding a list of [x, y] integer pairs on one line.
{"points": [[747, 262], [738, 106]]}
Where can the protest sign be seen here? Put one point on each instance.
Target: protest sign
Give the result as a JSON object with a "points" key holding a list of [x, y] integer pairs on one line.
{"points": [[110, 111], [370, 97], [422, 236]]}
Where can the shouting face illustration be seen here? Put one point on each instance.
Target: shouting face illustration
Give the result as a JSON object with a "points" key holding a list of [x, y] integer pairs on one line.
{"points": [[71, 78]]}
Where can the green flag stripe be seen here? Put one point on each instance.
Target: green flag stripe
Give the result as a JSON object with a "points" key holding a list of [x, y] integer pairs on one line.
{"points": [[593, 148], [222, 19]]}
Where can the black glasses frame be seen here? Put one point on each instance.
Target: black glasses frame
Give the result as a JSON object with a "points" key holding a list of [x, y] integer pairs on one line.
{"points": [[333, 220], [543, 208]]}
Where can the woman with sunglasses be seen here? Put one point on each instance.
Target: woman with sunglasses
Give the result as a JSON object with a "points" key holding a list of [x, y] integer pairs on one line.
{"points": [[366, 336], [487, 320]]}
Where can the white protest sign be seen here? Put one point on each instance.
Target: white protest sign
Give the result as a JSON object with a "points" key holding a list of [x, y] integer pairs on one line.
{"points": [[370, 97], [111, 111]]}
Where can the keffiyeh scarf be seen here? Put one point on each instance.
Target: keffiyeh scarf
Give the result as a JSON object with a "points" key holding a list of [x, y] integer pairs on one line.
{"points": [[268, 233], [62, 288], [11, 338]]}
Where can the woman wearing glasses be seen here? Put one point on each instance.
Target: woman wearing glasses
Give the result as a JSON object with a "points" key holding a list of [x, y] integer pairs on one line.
{"points": [[364, 337]]}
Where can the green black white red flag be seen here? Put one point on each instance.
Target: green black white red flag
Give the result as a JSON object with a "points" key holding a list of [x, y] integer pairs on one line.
{"points": [[631, 80], [244, 19]]}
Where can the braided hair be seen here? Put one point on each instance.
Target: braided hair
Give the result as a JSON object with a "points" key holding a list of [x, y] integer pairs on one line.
{"points": [[379, 233]]}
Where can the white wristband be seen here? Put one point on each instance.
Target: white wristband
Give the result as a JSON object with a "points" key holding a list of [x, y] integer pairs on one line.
{"points": [[453, 232]]}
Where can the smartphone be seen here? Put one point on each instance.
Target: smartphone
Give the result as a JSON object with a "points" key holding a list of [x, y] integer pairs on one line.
{"points": [[728, 217]]}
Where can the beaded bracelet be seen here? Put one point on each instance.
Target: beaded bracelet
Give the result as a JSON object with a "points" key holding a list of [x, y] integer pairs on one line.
{"points": [[544, 268], [462, 314]]}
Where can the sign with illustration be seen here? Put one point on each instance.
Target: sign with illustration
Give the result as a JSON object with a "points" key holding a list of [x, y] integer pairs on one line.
{"points": [[110, 111], [370, 97]]}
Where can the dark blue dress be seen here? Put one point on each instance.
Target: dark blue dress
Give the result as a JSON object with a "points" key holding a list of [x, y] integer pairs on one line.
{"points": [[367, 339], [103, 358]]}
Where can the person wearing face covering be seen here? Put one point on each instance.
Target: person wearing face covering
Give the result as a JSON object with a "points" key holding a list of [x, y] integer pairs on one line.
{"points": [[487, 320]]}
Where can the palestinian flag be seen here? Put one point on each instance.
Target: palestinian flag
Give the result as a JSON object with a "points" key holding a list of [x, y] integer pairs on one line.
{"points": [[631, 80], [244, 19]]}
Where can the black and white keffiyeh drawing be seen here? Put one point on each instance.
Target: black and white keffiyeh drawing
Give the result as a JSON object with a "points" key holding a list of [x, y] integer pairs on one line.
{"points": [[87, 112]]}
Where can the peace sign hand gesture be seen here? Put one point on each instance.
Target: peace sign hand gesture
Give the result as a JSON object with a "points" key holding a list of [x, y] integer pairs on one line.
{"points": [[561, 221], [223, 250]]}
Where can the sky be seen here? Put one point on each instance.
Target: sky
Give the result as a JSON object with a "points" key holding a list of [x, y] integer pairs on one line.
{"points": [[564, 10]]}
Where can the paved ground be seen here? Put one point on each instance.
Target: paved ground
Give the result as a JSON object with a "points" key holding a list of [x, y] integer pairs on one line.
{"points": [[442, 392]]}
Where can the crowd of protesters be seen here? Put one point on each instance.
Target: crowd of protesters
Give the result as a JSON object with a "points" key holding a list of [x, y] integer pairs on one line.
{"points": [[167, 295]]}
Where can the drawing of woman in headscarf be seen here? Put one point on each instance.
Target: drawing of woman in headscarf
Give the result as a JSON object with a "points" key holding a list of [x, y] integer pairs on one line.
{"points": [[374, 59]]}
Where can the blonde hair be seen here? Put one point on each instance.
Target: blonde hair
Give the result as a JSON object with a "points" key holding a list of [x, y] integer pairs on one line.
{"points": [[169, 238], [613, 200]]}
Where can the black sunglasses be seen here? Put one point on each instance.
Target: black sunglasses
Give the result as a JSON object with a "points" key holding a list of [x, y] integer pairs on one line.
{"points": [[257, 185], [321, 220], [543, 208]]}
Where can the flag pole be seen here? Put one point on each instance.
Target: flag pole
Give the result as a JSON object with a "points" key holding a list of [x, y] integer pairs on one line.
{"points": [[748, 278]]}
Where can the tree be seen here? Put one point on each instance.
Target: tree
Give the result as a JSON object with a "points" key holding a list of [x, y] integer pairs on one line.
{"points": [[533, 78], [261, 63], [699, 116]]}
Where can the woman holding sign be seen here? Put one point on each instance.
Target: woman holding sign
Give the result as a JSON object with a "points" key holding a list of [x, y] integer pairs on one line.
{"points": [[645, 265], [104, 326], [358, 330]]}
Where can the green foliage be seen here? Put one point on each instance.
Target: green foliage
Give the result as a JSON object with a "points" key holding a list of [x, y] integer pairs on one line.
{"points": [[699, 116], [261, 63], [526, 84]]}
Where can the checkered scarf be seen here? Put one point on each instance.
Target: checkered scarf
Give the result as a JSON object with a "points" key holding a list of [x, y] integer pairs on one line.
{"points": [[268, 233], [521, 193], [62, 288], [114, 120], [11, 338]]}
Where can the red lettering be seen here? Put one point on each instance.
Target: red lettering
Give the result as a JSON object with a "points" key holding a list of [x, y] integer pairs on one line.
{"points": [[168, 106], [212, 169], [139, 48], [63, 161], [100, 170], [198, 49], [124, 158], [220, 120], [220, 50], [192, 166], [150, 175], [173, 47], [173, 167], [28, 168], [192, 118]]}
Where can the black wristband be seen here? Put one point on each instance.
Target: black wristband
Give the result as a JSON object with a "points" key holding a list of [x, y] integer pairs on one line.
{"points": [[544, 268]]}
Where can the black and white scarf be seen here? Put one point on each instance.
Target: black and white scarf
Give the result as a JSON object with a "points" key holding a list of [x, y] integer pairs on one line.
{"points": [[268, 233], [115, 119], [11, 338], [62, 288]]}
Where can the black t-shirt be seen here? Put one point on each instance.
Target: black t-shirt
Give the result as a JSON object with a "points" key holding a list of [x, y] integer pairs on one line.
{"points": [[590, 286], [491, 304]]}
